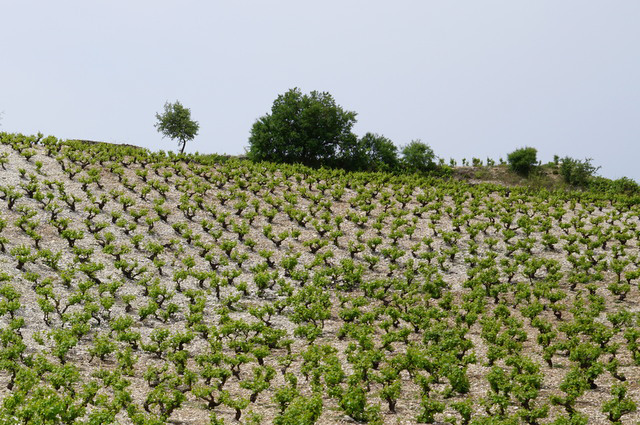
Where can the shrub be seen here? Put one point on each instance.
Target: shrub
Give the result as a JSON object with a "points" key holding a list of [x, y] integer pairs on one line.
{"points": [[523, 160], [576, 172], [622, 185]]}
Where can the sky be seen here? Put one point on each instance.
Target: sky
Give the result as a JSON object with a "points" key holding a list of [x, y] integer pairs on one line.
{"points": [[470, 78]]}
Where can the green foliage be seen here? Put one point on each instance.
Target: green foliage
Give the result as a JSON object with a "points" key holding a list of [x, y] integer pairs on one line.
{"points": [[257, 268], [32, 401], [523, 160], [418, 157], [619, 405], [310, 129], [576, 172], [429, 408], [9, 299], [176, 123], [354, 404], [373, 152], [623, 185], [301, 411], [574, 386]]}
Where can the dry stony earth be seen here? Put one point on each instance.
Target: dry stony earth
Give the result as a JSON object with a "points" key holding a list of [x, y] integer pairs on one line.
{"points": [[148, 288]]}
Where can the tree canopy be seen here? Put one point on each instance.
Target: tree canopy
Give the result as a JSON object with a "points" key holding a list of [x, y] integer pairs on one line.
{"points": [[418, 157], [374, 152], [310, 129], [176, 123]]}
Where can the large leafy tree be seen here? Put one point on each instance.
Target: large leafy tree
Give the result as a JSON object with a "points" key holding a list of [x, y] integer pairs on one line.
{"points": [[303, 128], [418, 157], [176, 123], [372, 152]]}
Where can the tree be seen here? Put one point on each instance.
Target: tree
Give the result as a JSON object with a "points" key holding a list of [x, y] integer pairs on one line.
{"points": [[303, 128], [376, 153], [523, 160], [176, 123], [418, 157]]}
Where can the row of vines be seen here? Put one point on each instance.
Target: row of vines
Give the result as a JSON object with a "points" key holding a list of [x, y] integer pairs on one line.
{"points": [[146, 287]]}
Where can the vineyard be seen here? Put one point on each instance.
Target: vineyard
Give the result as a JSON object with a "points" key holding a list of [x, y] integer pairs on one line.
{"points": [[141, 287]]}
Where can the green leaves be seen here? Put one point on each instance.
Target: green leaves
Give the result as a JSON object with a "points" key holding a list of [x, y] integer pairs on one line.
{"points": [[354, 403], [523, 160], [619, 405], [308, 129], [176, 123], [576, 172], [210, 282], [418, 157], [9, 299]]}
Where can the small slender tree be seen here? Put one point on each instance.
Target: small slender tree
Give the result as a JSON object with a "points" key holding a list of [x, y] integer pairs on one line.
{"points": [[176, 123]]}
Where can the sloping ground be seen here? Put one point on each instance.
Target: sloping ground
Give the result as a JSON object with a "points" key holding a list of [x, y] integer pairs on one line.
{"points": [[547, 177], [149, 288]]}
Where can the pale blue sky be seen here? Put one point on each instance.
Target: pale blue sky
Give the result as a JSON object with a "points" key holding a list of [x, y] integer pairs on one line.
{"points": [[471, 78]]}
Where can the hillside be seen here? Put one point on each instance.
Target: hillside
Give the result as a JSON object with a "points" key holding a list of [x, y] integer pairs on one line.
{"points": [[148, 288]]}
